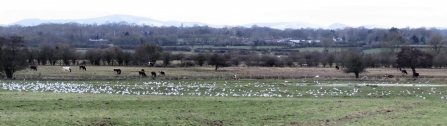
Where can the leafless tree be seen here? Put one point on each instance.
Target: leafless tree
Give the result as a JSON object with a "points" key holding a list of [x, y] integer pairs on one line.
{"points": [[437, 41], [13, 55]]}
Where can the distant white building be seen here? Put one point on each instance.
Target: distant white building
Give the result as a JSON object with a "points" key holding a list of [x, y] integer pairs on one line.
{"points": [[284, 40], [97, 40], [337, 39], [302, 41], [295, 41]]}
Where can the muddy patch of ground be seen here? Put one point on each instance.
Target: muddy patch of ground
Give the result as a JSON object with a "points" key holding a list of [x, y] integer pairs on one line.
{"points": [[364, 114], [216, 122]]}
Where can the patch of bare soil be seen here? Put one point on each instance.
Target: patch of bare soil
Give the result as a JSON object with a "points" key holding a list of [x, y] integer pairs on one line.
{"points": [[357, 116], [341, 101], [365, 114], [100, 123], [296, 123], [387, 111], [216, 122]]}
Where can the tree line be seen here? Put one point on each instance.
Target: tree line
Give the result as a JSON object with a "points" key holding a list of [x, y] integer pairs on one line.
{"points": [[129, 36], [16, 56], [23, 46]]}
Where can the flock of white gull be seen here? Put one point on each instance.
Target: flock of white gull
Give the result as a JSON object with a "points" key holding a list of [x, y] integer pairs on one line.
{"points": [[257, 89]]}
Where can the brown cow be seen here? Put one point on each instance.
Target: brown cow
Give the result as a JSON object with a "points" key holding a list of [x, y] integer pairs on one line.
{"points": [[142, 73], [154, 74]]}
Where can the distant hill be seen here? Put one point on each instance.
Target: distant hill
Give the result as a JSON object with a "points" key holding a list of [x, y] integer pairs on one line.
{"points": [[148, 21], [285, 25], [107, 19], [337, 26]]}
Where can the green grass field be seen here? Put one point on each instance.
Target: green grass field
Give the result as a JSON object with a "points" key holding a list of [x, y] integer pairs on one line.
{"points": [[101, 109], [202, 96], [246, 102], [375, 50]]}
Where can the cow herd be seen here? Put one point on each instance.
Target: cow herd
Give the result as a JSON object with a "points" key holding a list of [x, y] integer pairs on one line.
{"points": [[118, 71], [141, 72], [403, 72], [162, 73], [388, 75]]}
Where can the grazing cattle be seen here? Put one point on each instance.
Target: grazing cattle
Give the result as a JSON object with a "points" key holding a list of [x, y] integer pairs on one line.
{"points": [[336, 67], [33, 67], [118, 71], [65, 69], [150, 63], [416, 75], [317, 76], [235, 77], [82, 67], [142, 73], [389, 76], [153, 74], [161, 73], [404, 72]]}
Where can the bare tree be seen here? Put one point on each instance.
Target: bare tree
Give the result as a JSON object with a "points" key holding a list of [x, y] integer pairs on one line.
{"points": [[440, 60], [13, 55], [127, 57], [412, 58], [330, 59], [108, 55], [93, 56], [200, 59], [43, 54], [119, 55], [354, 64], [326, 43], [218, 61], [167, 58], [391, 42], [148, 53], [437, 41], [269, 60], [65, 53], [32, 55]]}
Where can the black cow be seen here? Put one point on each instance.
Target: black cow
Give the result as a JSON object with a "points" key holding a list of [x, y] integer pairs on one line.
{"points": [[154, 74], [82, 67], [161, 73], [118, 71], [416, 75], [142, 73], [33, 67], [336, 67], [404, 72]]}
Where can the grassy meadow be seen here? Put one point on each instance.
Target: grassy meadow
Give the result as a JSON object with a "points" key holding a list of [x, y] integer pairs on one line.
{"points": [[103, 109], [202, 96], [224, 73]]}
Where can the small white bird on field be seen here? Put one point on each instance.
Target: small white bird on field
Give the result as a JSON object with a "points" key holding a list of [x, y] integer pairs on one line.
{"points": [[317, 76]]}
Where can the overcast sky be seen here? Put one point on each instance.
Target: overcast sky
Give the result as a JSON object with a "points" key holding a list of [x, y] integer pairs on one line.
{"points": [[398, 13]]}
